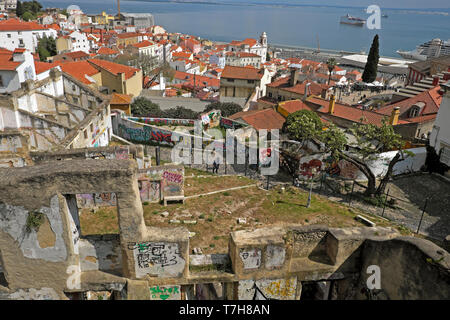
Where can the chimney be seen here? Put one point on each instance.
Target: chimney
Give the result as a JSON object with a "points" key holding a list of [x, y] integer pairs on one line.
{"points": [[393, 120], [294, 77], [306, 90], [331, 105], [435, 81]]}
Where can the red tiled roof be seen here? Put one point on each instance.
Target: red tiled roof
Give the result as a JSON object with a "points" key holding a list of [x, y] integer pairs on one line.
{"points": [[127, 35], [299, 88], [77, 54], [431, 98], [114, 68], [107, 51], [78, 69], [143, 44], [43, 66], [181, 54], [242, 73], [292, 106], [200, 81], [261, 119], [250, 42], [18, 25], [348, 112], [6, 60]]}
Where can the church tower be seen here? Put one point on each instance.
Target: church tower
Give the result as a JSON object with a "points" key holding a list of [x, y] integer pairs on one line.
{"points": [[263, 39]]}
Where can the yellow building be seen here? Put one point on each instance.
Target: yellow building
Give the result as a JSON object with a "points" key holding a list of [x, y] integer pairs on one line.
{"points": [[103, 18], [119, 78]]}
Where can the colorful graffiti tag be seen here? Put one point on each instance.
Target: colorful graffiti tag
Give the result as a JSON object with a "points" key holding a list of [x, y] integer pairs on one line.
{"points": [[165, 293]]}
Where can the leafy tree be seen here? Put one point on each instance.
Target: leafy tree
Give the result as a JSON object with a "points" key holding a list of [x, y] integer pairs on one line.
{"points": [[142, 107], [302, 125], [181, 113], [226, 108], [46, 47], [64, 12], [370, 70], [331, 63], [371, 140], [27, 16]]}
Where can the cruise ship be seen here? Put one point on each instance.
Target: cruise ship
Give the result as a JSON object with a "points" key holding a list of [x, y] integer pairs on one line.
{"points": [[348, 19], [431, 49]]}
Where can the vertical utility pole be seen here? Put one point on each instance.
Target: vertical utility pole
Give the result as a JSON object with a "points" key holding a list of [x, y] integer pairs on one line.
{"points": [[158, 156], [423, 211], [385, 201], [351, 194]]}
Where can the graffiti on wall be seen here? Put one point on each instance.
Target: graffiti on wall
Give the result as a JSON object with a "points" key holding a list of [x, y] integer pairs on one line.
{"points": [[163, 121], [165, 293], [275, 256], [140, 133], [149, 190], [267, 289], [251, 258], [88, 200], [105, 199], [230, 124], [172, 183], [161, 259], [121, 153], [157, 182]]}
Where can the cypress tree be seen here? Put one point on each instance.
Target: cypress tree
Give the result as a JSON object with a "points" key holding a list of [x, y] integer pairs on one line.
{"points": [[370, 70], [19, 9]]}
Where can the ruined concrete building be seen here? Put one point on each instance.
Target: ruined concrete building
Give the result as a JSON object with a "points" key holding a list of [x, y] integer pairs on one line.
{"points": [[53, 112], [54, 260]]}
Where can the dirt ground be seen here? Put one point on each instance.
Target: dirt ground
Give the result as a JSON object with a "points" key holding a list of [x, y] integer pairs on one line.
{"points": [[217, 215]]}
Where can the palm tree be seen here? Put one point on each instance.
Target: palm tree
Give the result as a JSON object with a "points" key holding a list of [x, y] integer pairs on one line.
{"points": [[331, 63]]}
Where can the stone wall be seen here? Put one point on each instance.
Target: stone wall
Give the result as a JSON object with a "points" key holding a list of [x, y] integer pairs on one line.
{"points": [[45, 255]]}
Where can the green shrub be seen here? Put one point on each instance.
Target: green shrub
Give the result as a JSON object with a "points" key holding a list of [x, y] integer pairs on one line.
{"points": [[34, 220]]}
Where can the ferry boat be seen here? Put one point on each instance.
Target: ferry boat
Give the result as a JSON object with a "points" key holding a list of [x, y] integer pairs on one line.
{"points": [[431, 49], [348, 19]]}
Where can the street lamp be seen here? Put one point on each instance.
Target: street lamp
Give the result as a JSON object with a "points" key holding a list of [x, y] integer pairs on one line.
{"points": [[313, 173]]}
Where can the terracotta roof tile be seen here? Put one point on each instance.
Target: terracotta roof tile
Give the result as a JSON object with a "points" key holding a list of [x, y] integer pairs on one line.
{"points": [[242, 73], [18, 25], [261, 119], [118, 98], [114, 68]]}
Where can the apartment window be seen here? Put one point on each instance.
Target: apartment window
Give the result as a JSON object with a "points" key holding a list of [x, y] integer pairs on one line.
{"points": [[73, 87], [75, 100], [92, 127], [1, 82], [230, 80], [85, 134], [9, 35], [270, 94], [251, 81]]}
